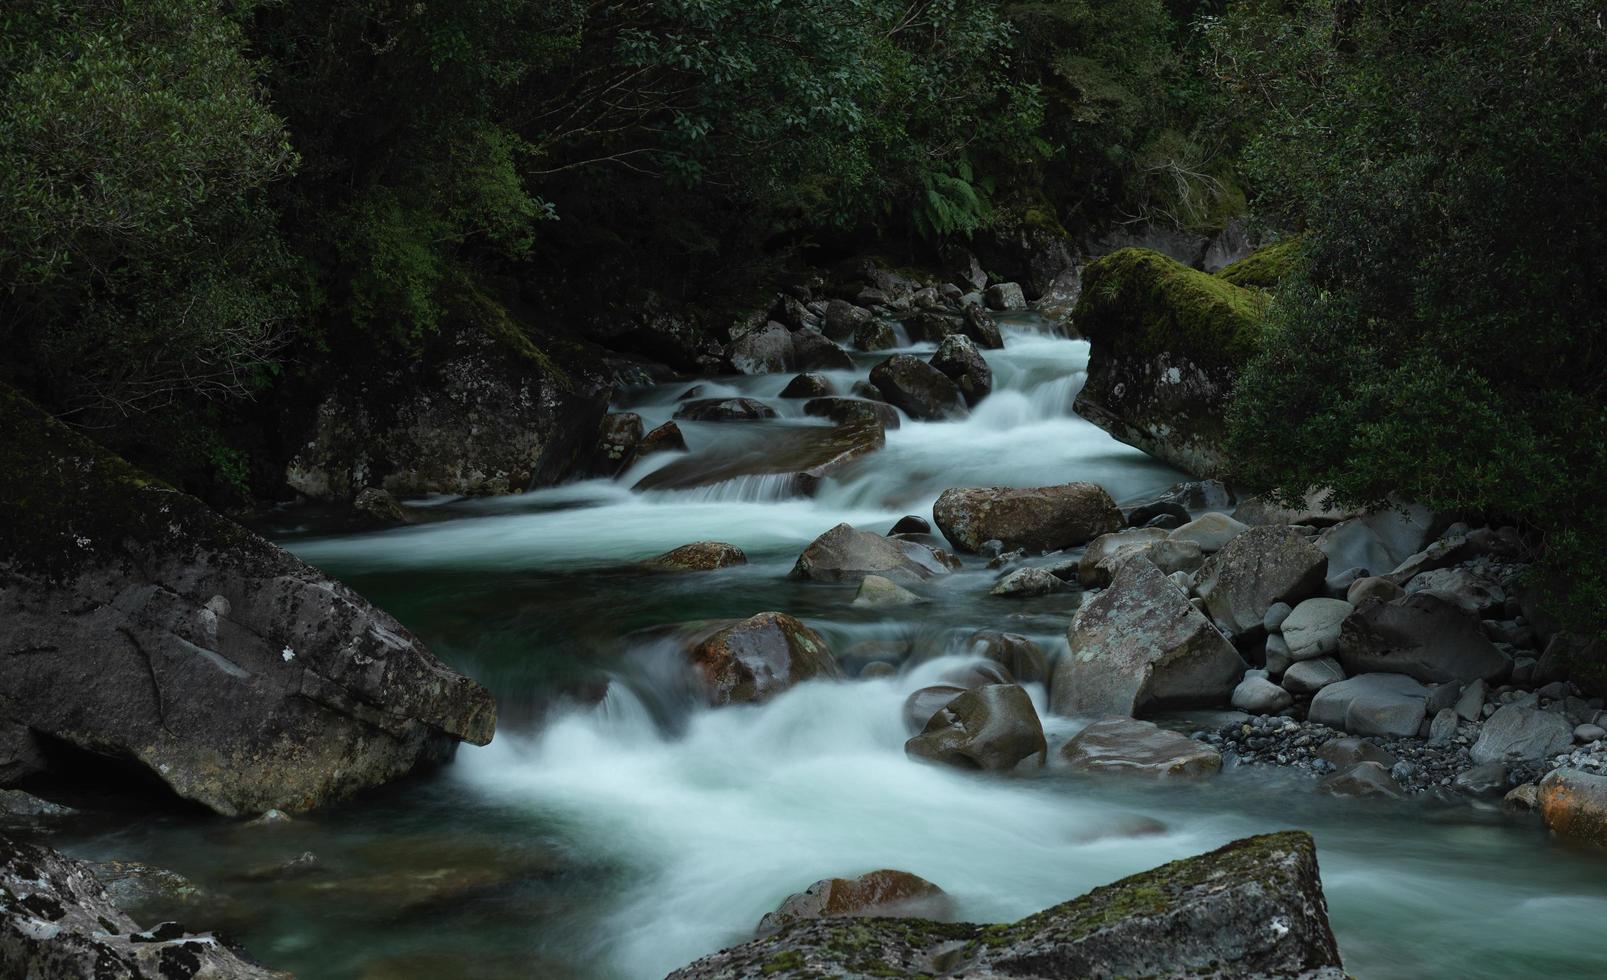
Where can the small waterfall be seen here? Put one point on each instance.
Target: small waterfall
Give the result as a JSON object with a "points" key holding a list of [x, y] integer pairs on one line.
{"points": [[755, 488]]}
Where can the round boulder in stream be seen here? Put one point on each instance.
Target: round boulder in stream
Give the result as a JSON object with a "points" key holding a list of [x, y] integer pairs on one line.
{"points": [[845, 554], [1036, 519], [699, 556], [1141, 748], [880, 893], [808, 385], [851, 411], [918, 388], [759, 657], [725, 410], [960, 361], [993, 727], [920, 706]]}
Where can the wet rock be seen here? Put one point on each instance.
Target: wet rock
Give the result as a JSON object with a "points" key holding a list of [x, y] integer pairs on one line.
{"points": [[1573, 805], [171, 639], [1259, 696], [1372, 704], [981, 329], [1485, 781], [58, 923], [874, 335], [960, 361], [918, 388], [1124, 745], [665, 438], [1312, 628], [1520, 734], [24, 811], [765, 350], [814, 351], [980, 673], [992, 727], [1346, 751], [759, 657], [854, 411], [878, 893], [379, 506], [799, 458], [877, 669], [1139, 645], [843, 320], [1023, 658], [1026, 583], [1257, 568], [724, 410], [1254, 907], [1211, 531], [1362, 779], [1421, 635], [844, 554], [699, 556], [922, 704], [1106, 553], [1163, 514], [878, 592], [932, 327], [1523, 798], [1005, 296], [1311, 676], [1038, 519], [619, 439], [807, 386], [910, 524]]}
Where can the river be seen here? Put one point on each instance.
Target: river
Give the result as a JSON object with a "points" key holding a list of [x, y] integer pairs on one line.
{"points": [[615, 830]]}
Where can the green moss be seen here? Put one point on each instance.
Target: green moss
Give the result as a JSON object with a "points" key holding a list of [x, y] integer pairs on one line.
{"points": [[491, 316], [783, 962], [1136, 296], [1266, 267]]}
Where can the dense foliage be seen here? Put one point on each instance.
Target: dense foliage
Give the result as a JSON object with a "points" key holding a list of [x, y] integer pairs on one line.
{"points": [[1448, 338]]}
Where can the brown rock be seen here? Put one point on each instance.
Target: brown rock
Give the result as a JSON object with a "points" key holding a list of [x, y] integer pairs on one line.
{"points": [[760, 657], [1124, 745], [699, 556], [885, 892], [1038, 519]]}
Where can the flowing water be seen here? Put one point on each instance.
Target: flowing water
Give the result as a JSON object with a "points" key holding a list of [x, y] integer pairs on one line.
{"points": [[615, 830]]}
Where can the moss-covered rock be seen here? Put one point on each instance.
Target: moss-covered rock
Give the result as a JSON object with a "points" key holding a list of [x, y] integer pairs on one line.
{"points": [[1168, 342], [1266, 267], [139, 625], [1252, 908]]}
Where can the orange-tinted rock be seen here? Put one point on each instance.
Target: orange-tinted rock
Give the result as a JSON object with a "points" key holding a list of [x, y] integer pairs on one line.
{"points": [[885, 892], [760, 657]]}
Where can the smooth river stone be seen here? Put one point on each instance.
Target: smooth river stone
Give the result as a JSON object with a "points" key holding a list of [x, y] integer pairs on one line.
{"points": [[1126, 745]]}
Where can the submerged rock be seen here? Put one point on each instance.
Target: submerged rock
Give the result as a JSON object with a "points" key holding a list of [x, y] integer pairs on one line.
{"points": [[165, 636], [990, 727], [699, 556], [58, 923], [1124, 745], [918, 388], [1252, 908], [1037, 519], [759, 657], [846, 554], [879, 893], [1141, 645], [1362, 779]]}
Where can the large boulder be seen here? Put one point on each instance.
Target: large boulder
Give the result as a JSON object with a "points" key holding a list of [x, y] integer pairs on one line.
{"points": [[1372, 704], [918, 388], [1168, 343], [161, 635], [960, 361], [980, 327], [879, 893], [1037, 519], [1252, 908], [1211, 532], [922, 704], [845, 554], [843, 320], [759, 657], [814, 351], [619, 438], [58, 923], [1424, 636], [1141, 748], [989, 727], [1140, 645], [1516, 733], [763, 350], [480, 409], [1573, 804], [798, 457], [1375, 543], [1261, 566]]}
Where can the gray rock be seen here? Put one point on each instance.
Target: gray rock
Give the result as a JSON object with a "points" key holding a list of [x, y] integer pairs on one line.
{"points": [[874, 335], [1026, 583], [168, 638], [1254, 907], [921, 705], [1421, 635], [1442, 727], [918, 388], [992, 727], [911, 524], [1272, 622], [1037, 519], [1362, 779], [1375, 542], [58, 923], [1471, 701], [1311, 676], [1346, 751], [878, 592], [843, 320], [1140, 645], [814, 351], [1589, 732], [1259, 567], [619, 440], [1473, 593], [381, 506], [1519, 734], [1131, 747], [854, 411], [1277, 656], [959, 360], [845, 554], [1024, 659], [724, 410], [764, 350], [1487, 780], [1106, 553], [1374, 588], [809, 385], [1211, 531], [1372, 704], [1005, 296], [1312, 629], [979, 326], [1259, 696]]}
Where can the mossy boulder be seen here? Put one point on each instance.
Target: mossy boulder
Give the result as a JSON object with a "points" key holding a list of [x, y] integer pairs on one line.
{"points": [[1252, 908], [1168, 343], [143, 627], [1266, 267]]}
